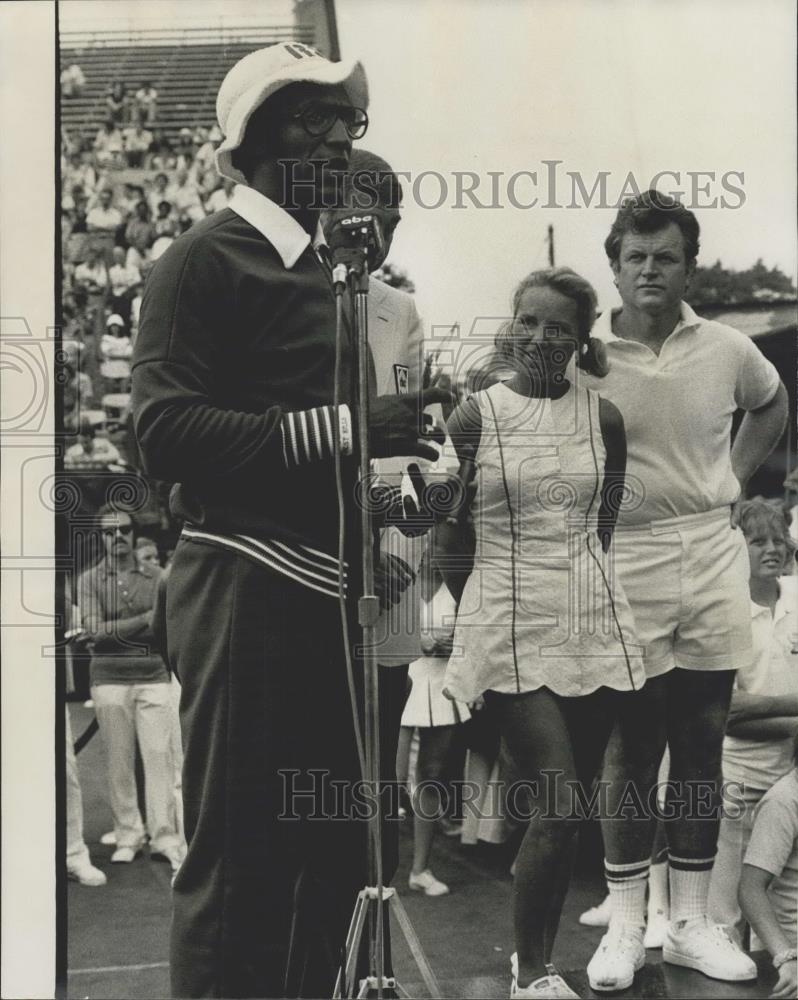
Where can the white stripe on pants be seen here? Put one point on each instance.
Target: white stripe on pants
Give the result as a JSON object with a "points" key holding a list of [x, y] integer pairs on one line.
{"points": [[125, 712], [77, 854]]}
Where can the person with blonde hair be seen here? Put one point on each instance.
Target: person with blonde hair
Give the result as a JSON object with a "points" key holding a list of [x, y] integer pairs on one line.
{"points": [[763, 718], [542, 630]]}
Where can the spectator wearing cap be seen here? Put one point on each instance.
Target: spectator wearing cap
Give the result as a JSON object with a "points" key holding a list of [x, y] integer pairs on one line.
{"points": [[262, 906], [115, 344]]}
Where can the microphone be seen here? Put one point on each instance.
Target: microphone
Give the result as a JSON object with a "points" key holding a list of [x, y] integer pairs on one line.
{"points": [[356, 242]]}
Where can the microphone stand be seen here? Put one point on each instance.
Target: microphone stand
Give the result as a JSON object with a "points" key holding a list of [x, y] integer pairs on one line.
{"points": [[371, 900]]}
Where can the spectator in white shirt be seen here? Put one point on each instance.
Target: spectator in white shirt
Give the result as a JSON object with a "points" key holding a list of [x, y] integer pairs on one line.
{"points": [[115, 344], [137, 141], [160, 191], [91, 451], [124, 278], [108, 145], [79, 173], [206, 152], [186, 201], [92, 274], [220, 198], [763, 717], [147, 103], [72, 81], [104, 217]]}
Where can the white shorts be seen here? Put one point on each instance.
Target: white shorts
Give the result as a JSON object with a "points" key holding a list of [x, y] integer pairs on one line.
{"points": [[686, 580]]}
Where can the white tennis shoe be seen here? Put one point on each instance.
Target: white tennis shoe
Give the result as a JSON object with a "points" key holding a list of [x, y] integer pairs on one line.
{"points": [[549, 987], [706, 947], [618, 957]]}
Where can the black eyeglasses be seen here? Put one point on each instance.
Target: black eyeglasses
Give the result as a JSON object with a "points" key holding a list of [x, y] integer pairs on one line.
{"points": [[318, 119], [122, 529]]}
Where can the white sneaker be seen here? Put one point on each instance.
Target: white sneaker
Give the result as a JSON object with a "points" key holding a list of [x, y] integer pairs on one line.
{"points": [[708, 948], [597, 916], [656, 927], [548, 987], [86, 874], [108, 838], [123, 855], [427, 883], [618, 957]]}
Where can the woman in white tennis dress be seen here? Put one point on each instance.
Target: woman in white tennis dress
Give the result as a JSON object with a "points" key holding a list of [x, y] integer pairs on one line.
{"points": [[543, 629]]}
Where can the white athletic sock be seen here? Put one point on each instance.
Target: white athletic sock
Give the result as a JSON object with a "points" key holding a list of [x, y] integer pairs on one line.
{"points": [[689, 879], [658, 889], [627, 885]]}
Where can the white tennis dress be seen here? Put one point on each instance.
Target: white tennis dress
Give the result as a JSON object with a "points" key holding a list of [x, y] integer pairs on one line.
{"points": [[542, 606]]}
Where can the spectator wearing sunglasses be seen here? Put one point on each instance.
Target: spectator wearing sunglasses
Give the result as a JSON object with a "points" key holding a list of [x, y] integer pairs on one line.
{"points": [[130, 690]]}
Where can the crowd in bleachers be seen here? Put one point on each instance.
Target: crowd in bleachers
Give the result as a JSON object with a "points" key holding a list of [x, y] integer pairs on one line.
{"points": [[127, 192]]}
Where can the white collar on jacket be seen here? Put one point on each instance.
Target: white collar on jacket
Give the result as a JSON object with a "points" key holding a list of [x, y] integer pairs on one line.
{"points": [[284, 233]]}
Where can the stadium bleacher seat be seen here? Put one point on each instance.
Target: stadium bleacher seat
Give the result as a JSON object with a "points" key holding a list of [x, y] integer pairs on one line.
{"points": [[186, 76]]}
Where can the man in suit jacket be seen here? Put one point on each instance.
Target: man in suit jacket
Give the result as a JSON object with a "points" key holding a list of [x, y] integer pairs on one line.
{"points": [[396, 343]]}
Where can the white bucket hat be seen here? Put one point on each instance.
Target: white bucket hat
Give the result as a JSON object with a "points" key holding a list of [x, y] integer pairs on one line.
{"points": [[260, 74]]}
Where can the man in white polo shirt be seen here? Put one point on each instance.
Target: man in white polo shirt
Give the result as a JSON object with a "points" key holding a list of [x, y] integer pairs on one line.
{"points": [[677, 379]]}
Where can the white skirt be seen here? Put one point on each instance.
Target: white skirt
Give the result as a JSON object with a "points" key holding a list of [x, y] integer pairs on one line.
{"points": [[426, 705]]}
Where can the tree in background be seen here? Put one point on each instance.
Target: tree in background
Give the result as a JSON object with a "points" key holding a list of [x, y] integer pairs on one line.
{"points": [[394, 276], [719, 285]]}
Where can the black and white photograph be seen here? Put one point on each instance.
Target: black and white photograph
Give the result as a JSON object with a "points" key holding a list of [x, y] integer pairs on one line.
{"points": [[399, 499]]}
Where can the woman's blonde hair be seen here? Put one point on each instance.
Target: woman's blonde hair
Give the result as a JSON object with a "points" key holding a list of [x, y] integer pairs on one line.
{"points": [[760, 514], [574, 287]]}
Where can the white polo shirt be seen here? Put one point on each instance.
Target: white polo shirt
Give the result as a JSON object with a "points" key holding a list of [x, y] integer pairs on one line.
{"points": [[773, 670], [677, 407]]}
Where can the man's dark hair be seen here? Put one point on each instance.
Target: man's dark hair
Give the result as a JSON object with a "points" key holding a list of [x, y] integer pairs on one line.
{"points": [[373, 182], [111, 510], [649, 213]]}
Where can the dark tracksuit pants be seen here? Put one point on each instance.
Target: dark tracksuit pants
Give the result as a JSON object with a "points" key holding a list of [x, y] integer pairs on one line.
{"points": [[262, 903]]}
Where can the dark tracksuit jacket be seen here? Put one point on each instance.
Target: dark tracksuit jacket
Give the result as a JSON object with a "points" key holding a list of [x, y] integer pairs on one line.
{"points": [[232, 399]]}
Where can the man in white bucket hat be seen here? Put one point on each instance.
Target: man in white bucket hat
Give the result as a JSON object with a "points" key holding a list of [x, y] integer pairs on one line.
{"points": [[233, 392]]}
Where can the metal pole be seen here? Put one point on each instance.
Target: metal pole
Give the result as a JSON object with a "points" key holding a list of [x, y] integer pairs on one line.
{"points": [[368, 613]]}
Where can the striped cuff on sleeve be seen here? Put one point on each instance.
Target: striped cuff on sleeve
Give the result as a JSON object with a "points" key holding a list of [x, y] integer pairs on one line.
{"points": [[308, 434]]}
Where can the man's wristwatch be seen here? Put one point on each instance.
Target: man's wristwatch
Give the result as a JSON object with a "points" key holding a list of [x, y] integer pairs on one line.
{"points": [[788, 955]]}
